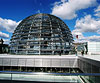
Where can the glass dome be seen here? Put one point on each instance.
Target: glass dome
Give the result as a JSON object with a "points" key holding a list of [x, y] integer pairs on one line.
{"points": [[41, 34]]}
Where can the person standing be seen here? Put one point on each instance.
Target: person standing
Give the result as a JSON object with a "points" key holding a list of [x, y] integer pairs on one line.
{"points": [[82, 52], [76, 51]]}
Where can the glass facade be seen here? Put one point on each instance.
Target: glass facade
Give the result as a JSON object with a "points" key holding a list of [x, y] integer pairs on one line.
{"points": [[39, 78], [91, 68], [94, 48], [41, 34]]}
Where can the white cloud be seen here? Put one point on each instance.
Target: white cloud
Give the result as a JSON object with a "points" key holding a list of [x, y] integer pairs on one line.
{"points": [[87, 24], [4, 35], [97, 11], [97, 14], [8, 25], [84, 25], [93, 38], [6, 41], [66, 9]]}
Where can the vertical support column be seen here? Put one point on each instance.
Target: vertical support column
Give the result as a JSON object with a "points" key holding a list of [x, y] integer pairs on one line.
{"points": [[40, 36], [51, 42]]}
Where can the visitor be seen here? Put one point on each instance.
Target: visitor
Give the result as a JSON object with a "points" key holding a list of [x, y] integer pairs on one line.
{"points": [[76, 51], [59, 53], [82, 52]]}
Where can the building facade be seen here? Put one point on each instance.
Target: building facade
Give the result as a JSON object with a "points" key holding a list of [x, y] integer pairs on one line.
{"points": [[93, 48], [41, 34], [90, 48]]}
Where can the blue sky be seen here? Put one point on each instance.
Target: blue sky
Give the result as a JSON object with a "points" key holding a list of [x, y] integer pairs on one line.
{"points": [[81, 16]]}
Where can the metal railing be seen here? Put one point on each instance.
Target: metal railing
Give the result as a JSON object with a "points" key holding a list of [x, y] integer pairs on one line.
{"points": [[49, 77]]}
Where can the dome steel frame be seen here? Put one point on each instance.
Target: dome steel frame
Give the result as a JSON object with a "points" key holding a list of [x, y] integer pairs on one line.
{"points": [[41, 34]]}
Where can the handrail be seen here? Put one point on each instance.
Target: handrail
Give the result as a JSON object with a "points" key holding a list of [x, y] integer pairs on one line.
{"points": [[45, 73]]}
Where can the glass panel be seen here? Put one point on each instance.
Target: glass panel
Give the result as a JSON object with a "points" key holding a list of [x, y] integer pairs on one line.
{"points": [[46, 78], [5, 76], [50, 77]]}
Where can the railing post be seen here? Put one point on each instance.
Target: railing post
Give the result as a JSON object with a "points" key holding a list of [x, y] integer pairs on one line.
{"points": [[11, 77]]}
